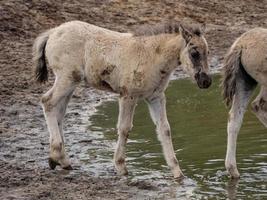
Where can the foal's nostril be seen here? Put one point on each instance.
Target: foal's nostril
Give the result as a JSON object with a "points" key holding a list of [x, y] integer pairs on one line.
{"points": [[204, 80], [207, 82], [203, 75]]}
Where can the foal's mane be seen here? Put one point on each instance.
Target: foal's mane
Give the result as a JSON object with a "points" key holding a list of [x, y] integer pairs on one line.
{"points": [[165, 28]]}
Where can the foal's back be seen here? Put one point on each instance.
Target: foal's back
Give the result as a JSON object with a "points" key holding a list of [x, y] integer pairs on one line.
{"points": [[66, 43]]}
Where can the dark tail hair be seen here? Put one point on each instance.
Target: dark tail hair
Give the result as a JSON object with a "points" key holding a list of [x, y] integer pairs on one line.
{"points": [[233, 71], [40, 68]]}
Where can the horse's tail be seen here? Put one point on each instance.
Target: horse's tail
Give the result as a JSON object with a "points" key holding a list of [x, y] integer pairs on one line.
{"points": [[234, 71], [40, 68]]}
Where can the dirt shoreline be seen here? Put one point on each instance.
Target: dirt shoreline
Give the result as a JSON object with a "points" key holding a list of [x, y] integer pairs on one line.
{"points": [[24, 172]]}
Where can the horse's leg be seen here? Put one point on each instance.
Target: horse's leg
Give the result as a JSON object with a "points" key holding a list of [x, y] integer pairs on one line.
{"points": [[62, 106], [259, 106], [54, 104], [239, 105], [62, 110], [125, 119], [157, 108]]}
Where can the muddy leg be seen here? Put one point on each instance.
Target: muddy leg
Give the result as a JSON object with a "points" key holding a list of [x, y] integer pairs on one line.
{"points": [[61, 113], [157, 108], [125, 119], [259, 106], [54, 104], [236, 114]]}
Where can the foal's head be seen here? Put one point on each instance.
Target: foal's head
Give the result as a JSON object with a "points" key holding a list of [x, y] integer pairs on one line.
{"points": [[194, 55]]}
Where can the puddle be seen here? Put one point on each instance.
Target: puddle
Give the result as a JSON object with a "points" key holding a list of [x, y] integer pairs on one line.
{"points": [[198, 121]]}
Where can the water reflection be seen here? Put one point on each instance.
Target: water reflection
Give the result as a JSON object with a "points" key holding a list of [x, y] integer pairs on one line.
{"points": [[231, 188], [198, 121]]}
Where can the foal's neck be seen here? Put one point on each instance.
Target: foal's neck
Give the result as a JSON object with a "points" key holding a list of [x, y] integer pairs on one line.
{"points": [[172, 47], [167, 48]]}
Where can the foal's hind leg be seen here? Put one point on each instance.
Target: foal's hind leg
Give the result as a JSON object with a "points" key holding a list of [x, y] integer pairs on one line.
{"points": [[62, 110], [235, 119], [259, 106], [54, 105], [125, 119], [157, 108]]}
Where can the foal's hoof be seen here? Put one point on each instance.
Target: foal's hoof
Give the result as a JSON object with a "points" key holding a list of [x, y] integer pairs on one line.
{"points": [[122, 172], [177, 173], [179, 178], [233, 172], [69, 167], [52, 163], [234, 175]]}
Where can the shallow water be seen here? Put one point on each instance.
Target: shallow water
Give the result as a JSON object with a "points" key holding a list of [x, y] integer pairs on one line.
{"points": [[198, 122]]}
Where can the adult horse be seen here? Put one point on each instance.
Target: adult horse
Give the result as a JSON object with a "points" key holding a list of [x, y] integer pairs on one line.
{"points": [[136, 66], [245, 65]]}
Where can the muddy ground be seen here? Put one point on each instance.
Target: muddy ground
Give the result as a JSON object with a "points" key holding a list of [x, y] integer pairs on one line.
{"points": [[24, 172]]}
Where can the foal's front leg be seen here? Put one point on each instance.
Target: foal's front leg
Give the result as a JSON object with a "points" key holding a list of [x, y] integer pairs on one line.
{"points": [[157, 108], [125, 119]]}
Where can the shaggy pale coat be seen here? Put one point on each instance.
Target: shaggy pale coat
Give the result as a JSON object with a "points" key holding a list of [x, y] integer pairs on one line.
{"points": [[134, 66]]}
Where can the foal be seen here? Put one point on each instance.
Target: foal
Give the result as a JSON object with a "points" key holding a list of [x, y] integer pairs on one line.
{"points": [[136, 66], [245, 66]]}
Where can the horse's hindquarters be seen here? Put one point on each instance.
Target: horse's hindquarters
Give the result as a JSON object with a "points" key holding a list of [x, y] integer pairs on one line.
{"points": [[64, 51], [254, 51]]}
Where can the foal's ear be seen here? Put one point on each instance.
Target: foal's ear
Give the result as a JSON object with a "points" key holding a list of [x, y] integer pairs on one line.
{"points": [[187, 35], [202, 28]]}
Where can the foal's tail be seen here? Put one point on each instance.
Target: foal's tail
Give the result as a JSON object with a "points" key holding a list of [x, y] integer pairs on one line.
{"points": [[40, 68], [231, 67], [233, 71]]}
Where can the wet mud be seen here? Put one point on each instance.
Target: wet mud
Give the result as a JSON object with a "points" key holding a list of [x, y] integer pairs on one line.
{"points": [[24, 171]]}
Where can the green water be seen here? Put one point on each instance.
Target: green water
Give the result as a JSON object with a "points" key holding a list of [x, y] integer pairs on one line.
{"points": [[198, 122]]}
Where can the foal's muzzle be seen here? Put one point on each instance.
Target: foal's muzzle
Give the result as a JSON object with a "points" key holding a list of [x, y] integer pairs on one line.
{"points": [[203, 80]]}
